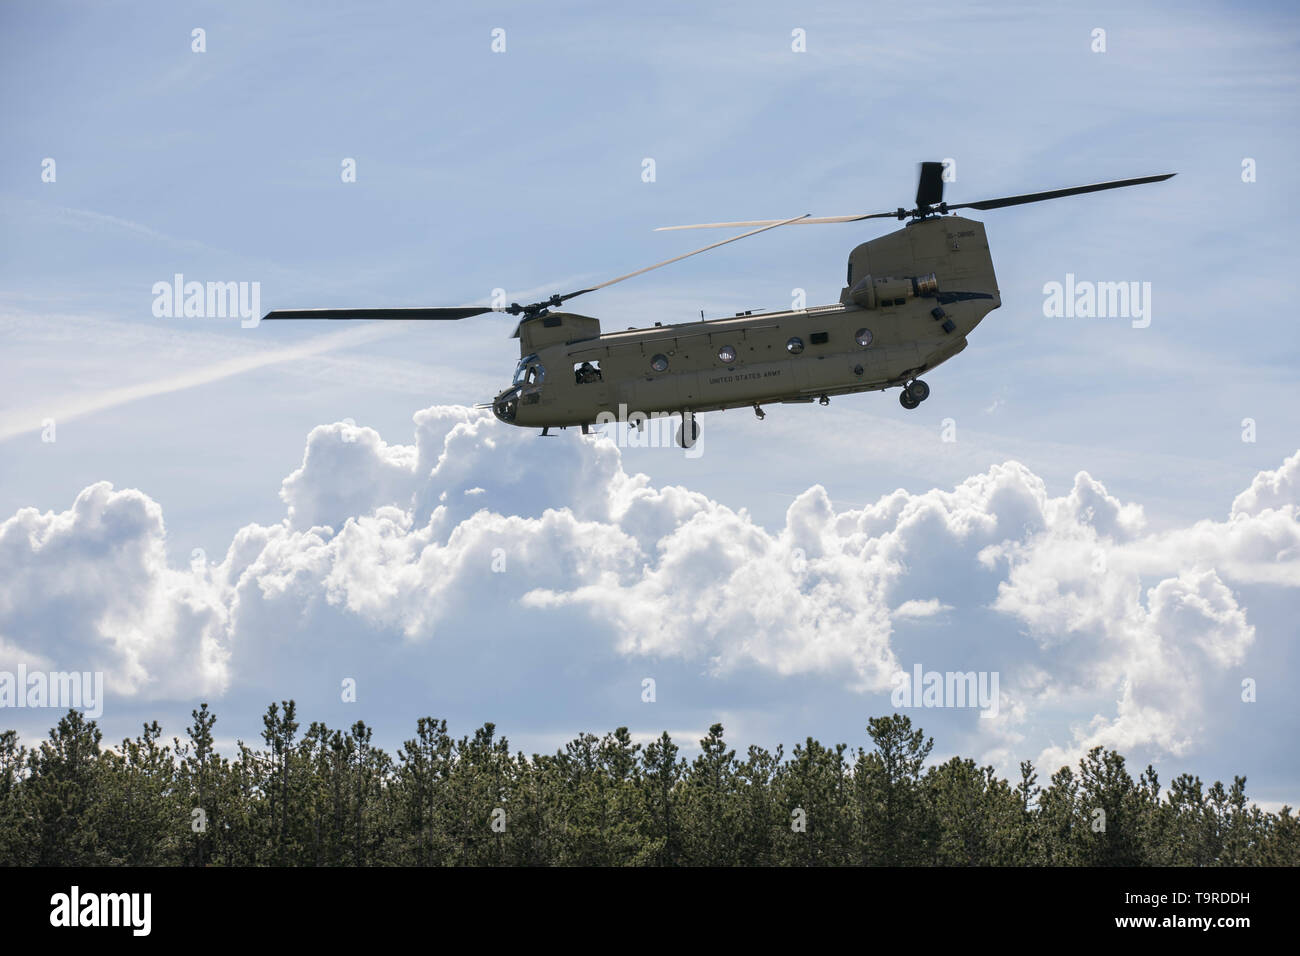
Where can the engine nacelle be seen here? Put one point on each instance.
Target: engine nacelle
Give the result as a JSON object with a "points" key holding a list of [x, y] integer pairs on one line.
{"points": [[871, 292]]}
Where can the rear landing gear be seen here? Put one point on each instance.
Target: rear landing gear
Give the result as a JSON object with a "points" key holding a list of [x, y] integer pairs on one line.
{"points": [[913, 394], [688, 433]]}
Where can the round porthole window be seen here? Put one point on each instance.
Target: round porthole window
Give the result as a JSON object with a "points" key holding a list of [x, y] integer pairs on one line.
{"points": [[794, 346], [659, 363], [864, 337], [726, 354]]}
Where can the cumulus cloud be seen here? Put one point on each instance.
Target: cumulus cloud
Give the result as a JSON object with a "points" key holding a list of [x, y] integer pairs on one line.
{"points": [[1277, 490], [401, 548], [89, 589]]}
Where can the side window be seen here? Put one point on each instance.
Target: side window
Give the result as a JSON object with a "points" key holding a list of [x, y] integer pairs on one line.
{"points": [[586, 373]]}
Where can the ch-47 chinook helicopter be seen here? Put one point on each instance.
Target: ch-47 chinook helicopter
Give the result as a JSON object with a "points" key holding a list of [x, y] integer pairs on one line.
{"points": [[910, 300]]}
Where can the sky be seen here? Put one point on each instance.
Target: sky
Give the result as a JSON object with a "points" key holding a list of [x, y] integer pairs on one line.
{"points": [[1105, 516]]}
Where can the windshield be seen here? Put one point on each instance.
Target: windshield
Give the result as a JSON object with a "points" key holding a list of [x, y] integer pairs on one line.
{"points": [[529, 371]]}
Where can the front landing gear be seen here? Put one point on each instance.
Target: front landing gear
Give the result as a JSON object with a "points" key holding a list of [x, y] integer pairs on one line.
{"points": [[913, 394], [688, 433]]}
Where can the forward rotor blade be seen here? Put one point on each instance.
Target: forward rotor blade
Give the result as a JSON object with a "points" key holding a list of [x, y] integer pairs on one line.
{"points": [[451, 313], [1057, 193], [801, 221], [685, 255]]}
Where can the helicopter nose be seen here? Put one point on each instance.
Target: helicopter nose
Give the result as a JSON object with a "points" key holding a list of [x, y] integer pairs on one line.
{"points": [[505, 406]]}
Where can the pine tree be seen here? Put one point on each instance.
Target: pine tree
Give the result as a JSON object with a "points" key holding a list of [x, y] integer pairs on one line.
{"points": [[1062, 827], [279, 768], [710, 816], [424, 766], [65, 795], [1113, 805], [762, 821], [620, 766], [196, 785], [661, 773], [144, 826], [15, 849], [814, 788], [1027, 839], [893, 820]]}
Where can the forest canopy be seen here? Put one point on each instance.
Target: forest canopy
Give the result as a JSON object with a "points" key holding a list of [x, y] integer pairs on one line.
{"points": [[330, 797]]}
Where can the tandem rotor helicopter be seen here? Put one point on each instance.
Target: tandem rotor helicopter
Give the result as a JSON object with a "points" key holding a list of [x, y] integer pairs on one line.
{"points": [[910, 300]]}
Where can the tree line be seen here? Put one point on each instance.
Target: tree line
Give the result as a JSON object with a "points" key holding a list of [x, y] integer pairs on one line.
{"points": [[332, 798]]}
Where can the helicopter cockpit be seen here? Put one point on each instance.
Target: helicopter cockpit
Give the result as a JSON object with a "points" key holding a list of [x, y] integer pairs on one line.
{"points": [[529, 371], [525, 388]]}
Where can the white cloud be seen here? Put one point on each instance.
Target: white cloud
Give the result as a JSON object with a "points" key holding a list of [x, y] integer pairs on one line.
{"points": [[1271, 490], [920, 609], [89, 589], [402, 548]]}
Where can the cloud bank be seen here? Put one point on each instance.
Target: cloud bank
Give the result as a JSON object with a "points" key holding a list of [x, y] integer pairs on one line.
{"points": [[1126, 634]]}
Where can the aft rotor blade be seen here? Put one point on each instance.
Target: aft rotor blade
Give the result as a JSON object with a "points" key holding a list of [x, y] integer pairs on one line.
{"points": [[929, 185], [686, 255], [801, 221], [451, 313], [1057, 193]]}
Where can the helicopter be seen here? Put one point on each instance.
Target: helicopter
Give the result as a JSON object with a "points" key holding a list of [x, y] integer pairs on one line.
{"points": [[909, 302]]}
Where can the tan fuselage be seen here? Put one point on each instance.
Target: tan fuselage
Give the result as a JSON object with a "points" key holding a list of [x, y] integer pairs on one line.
{"points": [[749, 359]]}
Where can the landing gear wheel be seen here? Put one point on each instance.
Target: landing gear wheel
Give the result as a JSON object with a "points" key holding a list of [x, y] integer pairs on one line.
{"points": [[907, 399], [920, 390], [688, 432]]}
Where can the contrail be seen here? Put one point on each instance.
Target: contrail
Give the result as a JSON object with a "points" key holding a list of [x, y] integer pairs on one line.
{"points": [[27, 420], [31, 419]]}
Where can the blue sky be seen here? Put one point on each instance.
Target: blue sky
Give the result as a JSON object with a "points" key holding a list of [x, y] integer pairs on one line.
{"points": [[522, 170]]}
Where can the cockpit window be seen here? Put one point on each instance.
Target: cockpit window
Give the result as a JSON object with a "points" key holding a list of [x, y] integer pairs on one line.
{"points": [[529, 371]]}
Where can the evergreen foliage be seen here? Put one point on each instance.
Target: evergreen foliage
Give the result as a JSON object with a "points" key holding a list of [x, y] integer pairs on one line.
{"points": [[332, 798]]}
